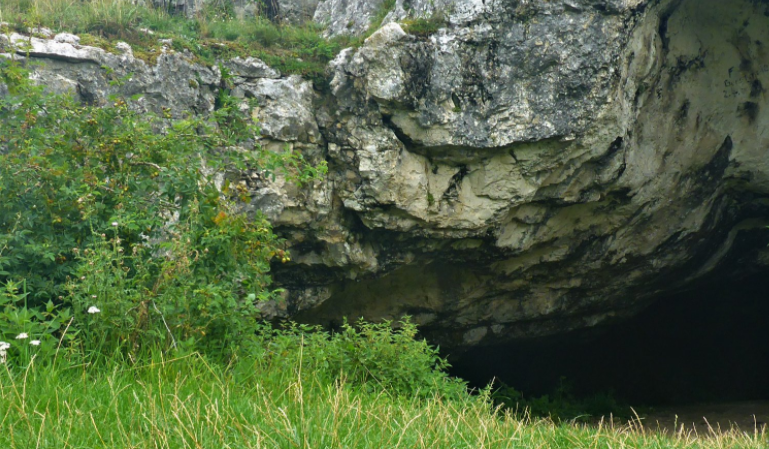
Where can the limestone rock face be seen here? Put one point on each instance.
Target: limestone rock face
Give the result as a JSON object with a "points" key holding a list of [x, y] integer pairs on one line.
{"points": [[535, 167], [346, 17], [530, 168], [175, 85]]}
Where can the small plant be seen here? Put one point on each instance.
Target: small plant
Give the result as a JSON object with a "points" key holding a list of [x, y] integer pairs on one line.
{"points": [[425, 27], [27, 331]]}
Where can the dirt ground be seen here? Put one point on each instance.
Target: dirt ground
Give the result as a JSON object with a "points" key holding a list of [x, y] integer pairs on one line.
{"points": [[747, 416]]}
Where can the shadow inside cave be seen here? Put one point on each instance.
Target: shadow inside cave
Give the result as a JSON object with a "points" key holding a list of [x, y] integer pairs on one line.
{"points": [[707, 344]]}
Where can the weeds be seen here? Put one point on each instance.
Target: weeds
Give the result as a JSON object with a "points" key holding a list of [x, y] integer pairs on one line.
{"points": [[385, 9], [424, 27]]}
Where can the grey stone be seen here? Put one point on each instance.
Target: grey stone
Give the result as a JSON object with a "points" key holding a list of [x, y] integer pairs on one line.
{"points": [[67, 38], [174, 85], [250, 68], [40, 32], [124, 49], [538, 167], [346, 17], [297, 11], [531, 168]]}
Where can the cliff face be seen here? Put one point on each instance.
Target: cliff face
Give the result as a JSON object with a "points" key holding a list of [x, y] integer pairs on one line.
{"points": [[536, 167], [530, 168]]}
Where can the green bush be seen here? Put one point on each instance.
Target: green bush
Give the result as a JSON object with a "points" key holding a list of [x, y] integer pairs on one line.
{"points": [[101, 210], [374, 356]]}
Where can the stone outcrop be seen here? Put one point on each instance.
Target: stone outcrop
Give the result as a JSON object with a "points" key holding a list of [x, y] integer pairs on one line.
{"points": [[530, 168], [535, 167], [175, 84], [347, 17]]}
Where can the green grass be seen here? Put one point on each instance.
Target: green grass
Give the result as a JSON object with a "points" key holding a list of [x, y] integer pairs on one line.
{"points": [[188, 402], [385, 9], [424, 27], [213, 34]]}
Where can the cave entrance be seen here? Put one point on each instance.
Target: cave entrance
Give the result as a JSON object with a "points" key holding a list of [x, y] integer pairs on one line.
{"points": [[707, 344]]}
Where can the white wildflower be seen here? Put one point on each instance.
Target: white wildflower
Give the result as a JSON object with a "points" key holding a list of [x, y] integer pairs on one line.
{"points": [[93, 309], [93, 296], [3, 347], [35, 342], [114, 223], [22, 336]]}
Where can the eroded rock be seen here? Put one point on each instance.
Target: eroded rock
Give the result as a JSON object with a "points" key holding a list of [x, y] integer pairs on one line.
{"points": [[528, 169], [537, 167]]}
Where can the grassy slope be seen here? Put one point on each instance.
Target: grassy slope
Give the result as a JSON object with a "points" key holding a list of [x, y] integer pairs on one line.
{"points": [[190, 403]]}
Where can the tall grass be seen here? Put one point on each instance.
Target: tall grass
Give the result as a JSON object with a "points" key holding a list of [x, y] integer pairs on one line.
{"points": [[75, 15], [188, 402]]}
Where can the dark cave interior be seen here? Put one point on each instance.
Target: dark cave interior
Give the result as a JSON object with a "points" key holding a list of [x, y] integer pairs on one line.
{"points": [[709, 343]]}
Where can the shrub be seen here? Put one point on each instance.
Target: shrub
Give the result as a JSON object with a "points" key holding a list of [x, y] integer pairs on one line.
{"points": [[374, 356], [98, 209]]}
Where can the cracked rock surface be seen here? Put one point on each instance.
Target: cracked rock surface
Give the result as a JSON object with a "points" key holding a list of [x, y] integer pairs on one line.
{"points": [[537, 167], [531, 168]]}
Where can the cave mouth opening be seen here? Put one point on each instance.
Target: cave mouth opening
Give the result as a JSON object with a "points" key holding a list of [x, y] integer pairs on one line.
{"points": [[708, 344]]}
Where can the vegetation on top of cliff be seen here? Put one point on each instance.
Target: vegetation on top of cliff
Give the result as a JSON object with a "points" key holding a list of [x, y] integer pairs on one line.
{"points": [[376, 21], [424, 27], [213, 34]]}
